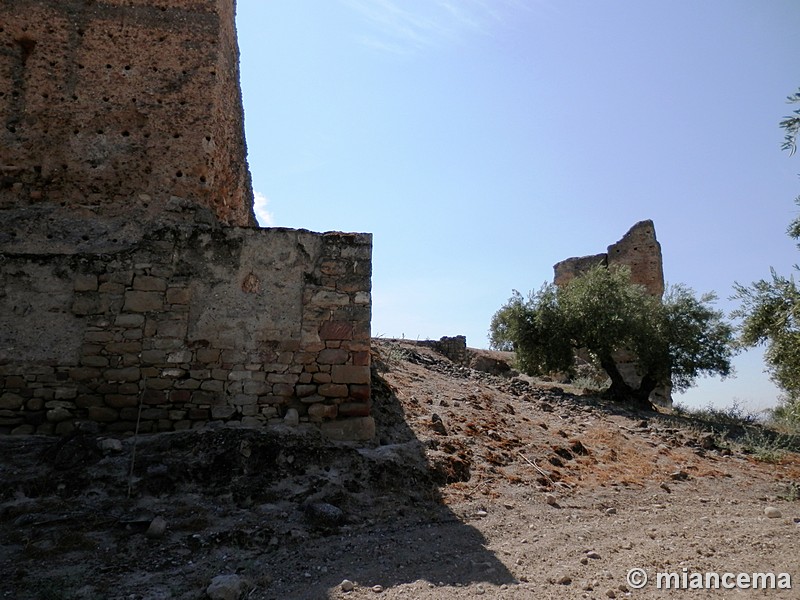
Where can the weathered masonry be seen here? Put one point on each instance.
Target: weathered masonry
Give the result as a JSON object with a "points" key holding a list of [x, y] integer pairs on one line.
{"points": [[134, 286], [640, 251]]}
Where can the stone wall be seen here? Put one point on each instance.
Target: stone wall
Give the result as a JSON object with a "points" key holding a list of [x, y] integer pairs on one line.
{"points": [[135, 286], [640, 251], [188, 325], [118, 107], [453, 347]]}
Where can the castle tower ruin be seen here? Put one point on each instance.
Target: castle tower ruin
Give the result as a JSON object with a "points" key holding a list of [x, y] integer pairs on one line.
{"points": [[640, 251], [134, 284]]}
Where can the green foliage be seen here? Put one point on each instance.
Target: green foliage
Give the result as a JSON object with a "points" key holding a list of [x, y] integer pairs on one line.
{"points": [[770, 309], [604, 313], [770, 313], [791, 125]]}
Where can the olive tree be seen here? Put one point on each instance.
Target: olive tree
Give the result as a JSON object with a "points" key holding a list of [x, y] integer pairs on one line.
{"points": [[602, 312], [770, 308]]}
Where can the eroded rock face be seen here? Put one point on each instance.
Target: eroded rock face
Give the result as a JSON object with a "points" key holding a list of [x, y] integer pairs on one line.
{"points": [[116, 108], [640, 251]]}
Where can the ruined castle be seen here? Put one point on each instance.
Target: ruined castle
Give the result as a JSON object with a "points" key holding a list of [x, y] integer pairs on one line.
{"points": [[640, 251], [137, 291]]}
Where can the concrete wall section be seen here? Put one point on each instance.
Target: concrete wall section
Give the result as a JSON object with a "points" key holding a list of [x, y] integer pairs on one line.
{"points": [[189, 325]]}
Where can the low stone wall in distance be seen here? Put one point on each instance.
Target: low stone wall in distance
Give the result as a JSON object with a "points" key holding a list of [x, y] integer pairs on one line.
{"points": [[185, 326]]}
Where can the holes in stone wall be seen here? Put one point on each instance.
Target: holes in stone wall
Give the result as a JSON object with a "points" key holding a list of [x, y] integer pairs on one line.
{"points": [[126, 133], [179, 174]]}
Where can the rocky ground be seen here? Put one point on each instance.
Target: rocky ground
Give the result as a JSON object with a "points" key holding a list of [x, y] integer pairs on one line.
{"points": [[481, 484]]}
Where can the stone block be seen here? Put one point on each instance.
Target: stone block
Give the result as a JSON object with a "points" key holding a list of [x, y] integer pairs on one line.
{"points": [[283, 389], [333, 390], [350, 374], [318, 412], [84, 374], [87, 303], [333, 357], [181, 356], [146, 283], [121, 401], [222, 412], [354, 409], [336, 330], [290, 378], [349, 430], [37, 403], [179, 295], [140, 301], [85, 282], [56, 415], [322, 377], [128, 347], [154, 397], [180, 397], [212, 385], [129, 321], [94, 361], [126, 374], [109, 287], [102, 414], [361, 359], [207, 355], [360, 393], [10, 401], [304, 390], [257, 387]]}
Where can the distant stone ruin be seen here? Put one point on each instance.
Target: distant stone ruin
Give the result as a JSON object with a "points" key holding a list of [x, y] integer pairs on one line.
{"points": [[136, 291], [640, 251]]}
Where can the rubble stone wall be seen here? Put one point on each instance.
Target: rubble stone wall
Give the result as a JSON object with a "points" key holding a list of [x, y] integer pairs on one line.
{"points": [[189, 325], [115, 107]]}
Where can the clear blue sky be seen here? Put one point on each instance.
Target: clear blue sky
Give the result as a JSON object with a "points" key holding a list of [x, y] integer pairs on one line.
{"points": [[482, 141]]}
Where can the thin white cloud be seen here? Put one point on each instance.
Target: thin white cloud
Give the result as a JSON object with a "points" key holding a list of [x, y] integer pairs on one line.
{"points": [[407, 27], [264, 217]]}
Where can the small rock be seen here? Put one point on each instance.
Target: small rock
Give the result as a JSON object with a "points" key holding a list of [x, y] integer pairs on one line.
{"points": [[347, 585], [584, 560], [551, 499], [679, 476], [707, 442], [292, 418], [225, 587], [611, 511], [565, 580], [322, 514], [772, 513], [481, 513], [611, 594], [157, 528], [593, 555], [378, 589], [665, 487], [110, 445]]}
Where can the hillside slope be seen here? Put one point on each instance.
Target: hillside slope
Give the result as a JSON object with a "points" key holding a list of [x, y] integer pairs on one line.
{"points": [[479, 485]]}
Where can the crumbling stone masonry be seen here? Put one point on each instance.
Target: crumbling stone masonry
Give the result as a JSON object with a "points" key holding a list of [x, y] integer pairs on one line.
{"points": [[640, 251], [134, 286]]}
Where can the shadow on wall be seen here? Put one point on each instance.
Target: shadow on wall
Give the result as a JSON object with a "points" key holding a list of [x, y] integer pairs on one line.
{"points": [[289, 512]]}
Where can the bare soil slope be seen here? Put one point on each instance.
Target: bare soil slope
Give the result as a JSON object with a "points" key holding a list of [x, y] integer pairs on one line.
{"points": [[479, 485]]}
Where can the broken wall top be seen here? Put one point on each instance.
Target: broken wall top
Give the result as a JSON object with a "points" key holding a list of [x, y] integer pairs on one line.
{"points": [[638, 249], [121, 108]]}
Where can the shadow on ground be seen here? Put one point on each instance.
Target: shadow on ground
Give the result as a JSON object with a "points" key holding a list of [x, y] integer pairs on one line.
{"points": [[290, 513]]}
